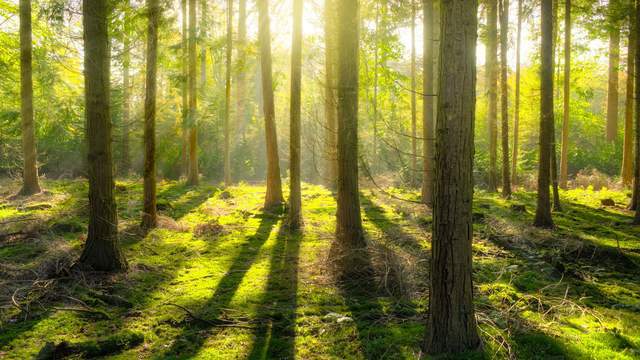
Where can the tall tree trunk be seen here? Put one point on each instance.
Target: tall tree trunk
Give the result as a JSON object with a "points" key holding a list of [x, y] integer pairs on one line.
{"points": [[564, 154], [451, 326], [427, 102], [273, 197], [227, 113], [554, 154], [193, 172], [102, 248], [516, 110], [241, 82], [295, 197], [504, 96], [149, 213], [543, 208], [627, 149], [30, 184], [492, 83], [349, 248], [330, 106], [635, 200], [125, 162], [376, 64], [203, 48], [184, 90], [414, 132], [614, 63]]}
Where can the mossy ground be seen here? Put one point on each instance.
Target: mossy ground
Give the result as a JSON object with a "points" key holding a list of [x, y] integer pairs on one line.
{"points": [[260, 291]]}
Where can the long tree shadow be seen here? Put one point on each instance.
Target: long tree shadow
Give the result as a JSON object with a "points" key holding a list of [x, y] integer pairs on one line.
{"points": [[190, 340], [275, 335]]}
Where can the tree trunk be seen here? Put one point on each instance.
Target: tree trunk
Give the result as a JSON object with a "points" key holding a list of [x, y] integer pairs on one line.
{"points": [[636, 172], [492, 84], [504, 96], [627, 149], [543, 208], [451, 326], [516, 116], [193, 99], [414, 132], [184, 91], [30, 184], [330, 106], [427, 102], [564, 154], [376, 61], [554, 154], [203, 48], [273, 197], [295, 197], [241, 82], [227, 113], [149, 213], [612, 93], [125, 162], [102, 249]]}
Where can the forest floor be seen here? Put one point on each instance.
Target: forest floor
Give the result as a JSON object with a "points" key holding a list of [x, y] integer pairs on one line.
{"points": [[222, 279]]}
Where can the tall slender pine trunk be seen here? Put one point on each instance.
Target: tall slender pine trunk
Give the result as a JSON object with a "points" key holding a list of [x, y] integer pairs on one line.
{"points": [[295, 196], [241, 79], [635, 201], [614, 63], [516, 110], [627, 147], [414, 131], [427, 102], [566, 99], [330, 101], [504, 96], [554, 154], [184, 91], [227, 112], [193, 173], [125, 162], [492, 85]]}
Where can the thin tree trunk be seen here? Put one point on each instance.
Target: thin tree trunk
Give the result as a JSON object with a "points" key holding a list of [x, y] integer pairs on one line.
{"points": [[427, 102], [330, 106], [612, 93], [295, 197], [102, 248], [504, 96], [375, 87], [554, 154], [30, 184], [203, 47], [273, 197], [492, 84], [125, 165], [564, 154], [543, 208], [227, 114], [516, 116], [241, 83], [636, 171], [451, 326], [184, 91], [627, 148], [193, 172], [414, 132]]}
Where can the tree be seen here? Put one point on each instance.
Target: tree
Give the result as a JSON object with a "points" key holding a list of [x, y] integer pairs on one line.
{"points": [[636, 172], [492, 82], [451, 326], [504, 96], [543, 208], [295, 199], [30, 184], [241, 87], [102, 248], [554, 155], [149, 213], [564, 152], [427, 102], [330, 106], [627, 147], [376, 64], [227, 113], [516, 110], [125, 165], [614, 63], [414, 133], [184, 93], [273, 197], [192, 173]]}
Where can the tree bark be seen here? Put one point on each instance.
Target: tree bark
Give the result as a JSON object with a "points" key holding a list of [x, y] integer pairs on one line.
{"points": [[125, 163], [543, 208], [627, 148], [184, 90], [554, 154], [241, 82], [193, 171], [376, 64], [295, 196], [451, 326], [149, 213], [227, 114], [330, 106], [612, 93], [30, 183], [564, 153], [504, 96], [636, 172], [516, 110], [414, 132], [102, 249], [492, 84], [427, 102], [273, 197]]}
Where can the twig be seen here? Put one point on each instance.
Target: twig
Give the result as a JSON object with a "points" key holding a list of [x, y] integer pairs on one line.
{"points": [[216, 323]]}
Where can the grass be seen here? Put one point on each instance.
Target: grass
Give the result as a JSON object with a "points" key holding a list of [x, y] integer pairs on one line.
{"points": [[223, 279]]}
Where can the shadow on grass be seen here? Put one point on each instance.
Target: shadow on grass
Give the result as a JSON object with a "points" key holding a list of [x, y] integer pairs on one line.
{"points": [[179, 199]]}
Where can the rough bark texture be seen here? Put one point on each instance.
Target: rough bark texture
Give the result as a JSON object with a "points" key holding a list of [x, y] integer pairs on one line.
{"points": [[376, 64], [185, 90], [554, 154], [627, 148], [227, 113], [295, 196], [192, 174], [612, 93], [492, 85], [203, 49], [516, 110], [414, 131], [125, 162], [149, 212], [451, 326], [330, 102], [427, 102], [564, 153], [504, 96], [274, 186], [543, 208], [636, 171], [30, 184], [241, 79], [102, 249]]}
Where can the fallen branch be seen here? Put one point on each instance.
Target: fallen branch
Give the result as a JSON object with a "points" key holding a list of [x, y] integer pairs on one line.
{"points": [[216, 323]]}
